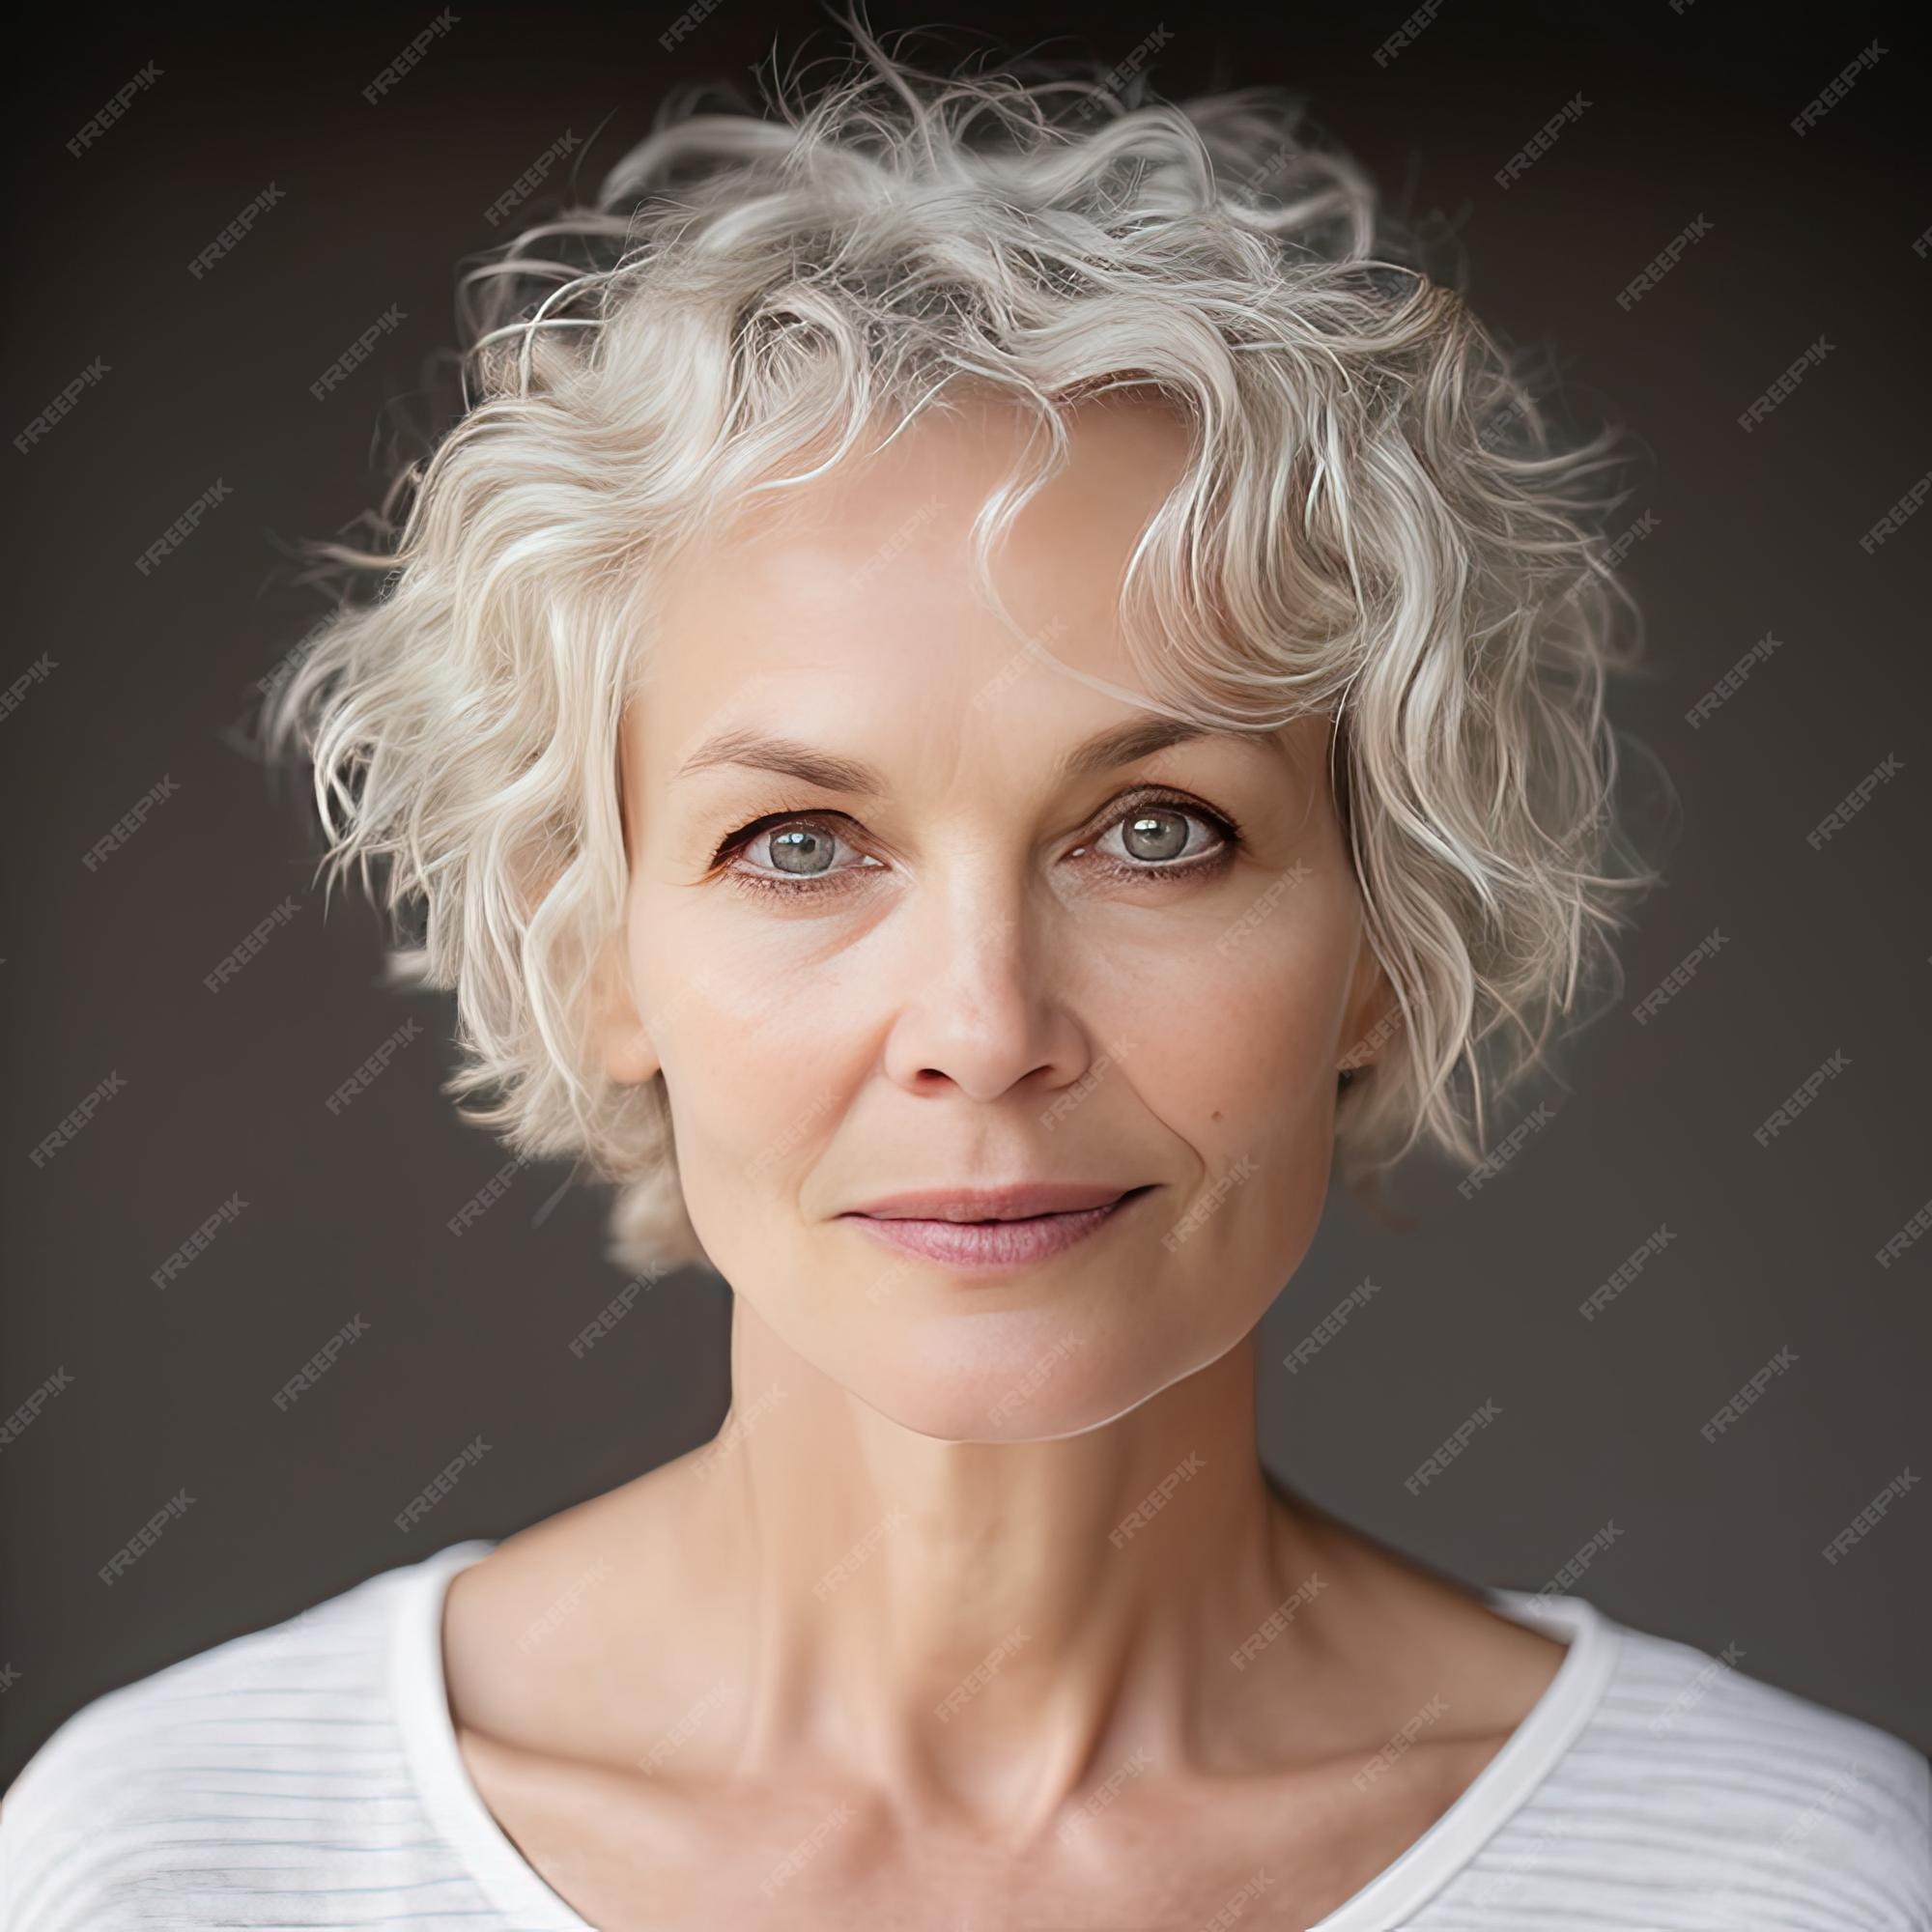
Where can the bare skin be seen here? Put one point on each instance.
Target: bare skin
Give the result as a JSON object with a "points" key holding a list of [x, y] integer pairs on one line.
{"points": [[638, 1760], [955, 1599]]}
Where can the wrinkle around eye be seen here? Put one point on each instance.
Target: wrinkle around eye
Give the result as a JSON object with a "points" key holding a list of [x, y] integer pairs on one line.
{"points": [[732, 858]]}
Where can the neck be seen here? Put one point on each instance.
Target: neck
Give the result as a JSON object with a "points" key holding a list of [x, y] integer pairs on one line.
{"points": [[981, 1628]]}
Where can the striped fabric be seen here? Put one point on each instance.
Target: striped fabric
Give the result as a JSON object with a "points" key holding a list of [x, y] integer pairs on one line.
{"points": [[308, 1776]]}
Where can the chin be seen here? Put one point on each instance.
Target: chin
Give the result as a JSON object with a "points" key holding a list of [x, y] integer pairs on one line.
{"points": [[1014, 1375]]}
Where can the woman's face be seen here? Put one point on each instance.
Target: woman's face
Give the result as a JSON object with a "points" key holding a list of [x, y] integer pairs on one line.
{"points": [[960, 955]]}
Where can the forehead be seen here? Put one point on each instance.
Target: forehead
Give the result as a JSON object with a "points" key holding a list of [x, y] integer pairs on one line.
{"points": [[851, 600]]}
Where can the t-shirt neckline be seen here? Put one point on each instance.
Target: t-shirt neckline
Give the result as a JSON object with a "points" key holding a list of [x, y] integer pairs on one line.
{"points": [[512, 1884]]}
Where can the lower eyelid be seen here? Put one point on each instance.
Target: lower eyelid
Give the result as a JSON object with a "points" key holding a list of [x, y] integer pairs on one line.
{"points": [[1227, 833]]}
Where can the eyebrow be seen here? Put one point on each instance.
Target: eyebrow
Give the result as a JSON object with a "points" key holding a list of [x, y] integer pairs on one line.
{"points": [[1119, 745]]}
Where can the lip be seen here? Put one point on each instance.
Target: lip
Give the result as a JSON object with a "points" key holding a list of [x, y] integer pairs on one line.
{"points": [[1018, 1202], [1011, 1241]]}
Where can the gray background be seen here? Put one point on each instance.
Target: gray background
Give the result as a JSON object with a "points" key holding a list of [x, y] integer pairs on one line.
{"points": [[1598, 1436]]}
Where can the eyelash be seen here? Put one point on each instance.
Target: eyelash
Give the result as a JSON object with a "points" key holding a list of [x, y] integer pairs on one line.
{"points": [[1202, 865]]}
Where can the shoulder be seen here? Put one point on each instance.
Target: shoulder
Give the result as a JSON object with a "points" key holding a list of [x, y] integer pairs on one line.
{"points": [[1755, 1796], [100, 1828]]}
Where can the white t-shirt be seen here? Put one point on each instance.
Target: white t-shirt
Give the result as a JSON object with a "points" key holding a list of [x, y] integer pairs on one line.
{"points": [[308, 1776]]}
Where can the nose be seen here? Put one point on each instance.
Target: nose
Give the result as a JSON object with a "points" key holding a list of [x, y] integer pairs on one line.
{"points": [[985, 996]]}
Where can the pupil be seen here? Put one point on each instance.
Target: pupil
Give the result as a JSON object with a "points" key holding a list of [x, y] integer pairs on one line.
{"points": [[787, 846], [1147, 826]]}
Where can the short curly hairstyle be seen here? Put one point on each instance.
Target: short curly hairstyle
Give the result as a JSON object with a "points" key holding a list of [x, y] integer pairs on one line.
{"points": [[1376, 523]]}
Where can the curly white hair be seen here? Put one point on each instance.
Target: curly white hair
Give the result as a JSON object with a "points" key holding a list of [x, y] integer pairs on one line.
{"points": [[1376, 523]]}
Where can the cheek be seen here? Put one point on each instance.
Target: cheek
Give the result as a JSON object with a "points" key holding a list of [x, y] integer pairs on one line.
{"points": [[1233, 1044], [1244, 1078]]}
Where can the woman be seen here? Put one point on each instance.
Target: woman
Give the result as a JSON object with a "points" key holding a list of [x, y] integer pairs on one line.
{"points": [[982, 690]]}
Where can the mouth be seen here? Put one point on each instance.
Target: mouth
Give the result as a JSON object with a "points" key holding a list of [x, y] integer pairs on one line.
{"points": [[1003, 1242]]}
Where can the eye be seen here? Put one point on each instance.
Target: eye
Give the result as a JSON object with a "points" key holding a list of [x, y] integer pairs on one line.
{"points": [[1155, 842], [801, 850]]}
